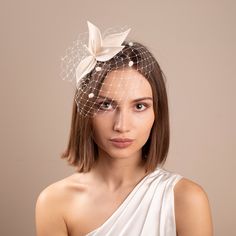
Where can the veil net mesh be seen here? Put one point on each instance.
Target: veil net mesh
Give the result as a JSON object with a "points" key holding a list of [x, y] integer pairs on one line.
{"points": [[94, 92]]}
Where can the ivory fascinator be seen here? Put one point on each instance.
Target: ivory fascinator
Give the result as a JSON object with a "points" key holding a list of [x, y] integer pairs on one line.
{"points": [[93, 56]]}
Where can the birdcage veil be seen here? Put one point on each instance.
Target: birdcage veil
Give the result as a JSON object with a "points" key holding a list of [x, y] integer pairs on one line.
{"points": [[94, 56]]}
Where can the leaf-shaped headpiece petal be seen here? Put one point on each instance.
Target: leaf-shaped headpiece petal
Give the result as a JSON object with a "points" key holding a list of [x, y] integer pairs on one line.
{"points": [[99, 49]]}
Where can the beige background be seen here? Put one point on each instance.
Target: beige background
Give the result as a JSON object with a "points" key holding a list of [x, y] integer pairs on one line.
{"points": [[194, 41]]}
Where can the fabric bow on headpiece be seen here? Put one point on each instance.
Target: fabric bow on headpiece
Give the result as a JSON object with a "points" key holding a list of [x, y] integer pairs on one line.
{"points": [[99, 49]]}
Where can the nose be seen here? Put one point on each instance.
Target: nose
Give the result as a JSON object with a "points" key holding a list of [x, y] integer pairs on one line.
{"points": [[122, 121]]}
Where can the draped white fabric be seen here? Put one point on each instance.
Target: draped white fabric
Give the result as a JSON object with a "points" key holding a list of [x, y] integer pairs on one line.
{"points": [[147, 211]]}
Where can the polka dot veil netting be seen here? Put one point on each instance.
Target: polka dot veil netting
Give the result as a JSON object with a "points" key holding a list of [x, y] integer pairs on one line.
{"points": [[99, 65]]}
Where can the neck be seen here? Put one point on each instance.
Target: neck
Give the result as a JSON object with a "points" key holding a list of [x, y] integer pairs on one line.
{"points": [[116, 173]]}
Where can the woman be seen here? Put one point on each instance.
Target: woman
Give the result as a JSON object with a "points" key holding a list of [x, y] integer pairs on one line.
{"points": [[118, 142]]}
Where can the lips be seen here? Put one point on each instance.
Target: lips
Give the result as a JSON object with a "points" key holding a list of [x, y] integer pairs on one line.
{"points": [[121, 139], [121, 142]]}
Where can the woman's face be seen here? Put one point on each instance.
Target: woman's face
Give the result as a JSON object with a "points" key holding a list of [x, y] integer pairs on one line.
{"points": [[126, 112]]}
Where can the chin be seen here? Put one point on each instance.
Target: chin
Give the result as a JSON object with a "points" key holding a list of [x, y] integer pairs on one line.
{"points": [[121, 154]]}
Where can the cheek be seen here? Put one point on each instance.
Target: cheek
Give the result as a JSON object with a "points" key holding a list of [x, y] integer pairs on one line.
{"points": [[146, 126], [100, 126], [96, 130], [146, 129]]}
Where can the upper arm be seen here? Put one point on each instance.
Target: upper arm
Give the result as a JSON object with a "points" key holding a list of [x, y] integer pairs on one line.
{"points": [[48, 214], [192, 210]]}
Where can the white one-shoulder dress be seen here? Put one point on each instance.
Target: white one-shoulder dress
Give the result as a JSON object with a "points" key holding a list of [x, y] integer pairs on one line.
{"points": [[148, 210]]}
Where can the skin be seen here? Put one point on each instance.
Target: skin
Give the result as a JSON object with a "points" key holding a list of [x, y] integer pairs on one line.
{"points": [[82, 202]]}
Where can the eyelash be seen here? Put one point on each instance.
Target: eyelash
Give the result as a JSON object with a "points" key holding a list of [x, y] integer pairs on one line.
{"points": [[144, 104], [100, 105]]}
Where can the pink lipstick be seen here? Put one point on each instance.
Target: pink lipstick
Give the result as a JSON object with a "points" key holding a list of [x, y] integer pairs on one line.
{"points": [[121, 142]]}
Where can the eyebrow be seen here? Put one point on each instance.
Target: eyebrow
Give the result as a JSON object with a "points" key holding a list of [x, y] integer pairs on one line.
{"points": [[135, 100]]}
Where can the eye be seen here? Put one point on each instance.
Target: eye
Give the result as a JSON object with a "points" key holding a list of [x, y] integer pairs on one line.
{"points": [[141, 106], [105, 106]]}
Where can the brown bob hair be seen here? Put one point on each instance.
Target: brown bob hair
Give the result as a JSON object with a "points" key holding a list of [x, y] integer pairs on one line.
{"points": [[82, 151]]}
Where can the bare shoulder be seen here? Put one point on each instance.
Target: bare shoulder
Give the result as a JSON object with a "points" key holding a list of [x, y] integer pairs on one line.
{"points": [[192, 209], [60, 191], [187, 190], [51, 192], [50, 208]]}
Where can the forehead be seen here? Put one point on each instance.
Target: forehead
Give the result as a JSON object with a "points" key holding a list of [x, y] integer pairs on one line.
{"points": [[125, 83]]}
